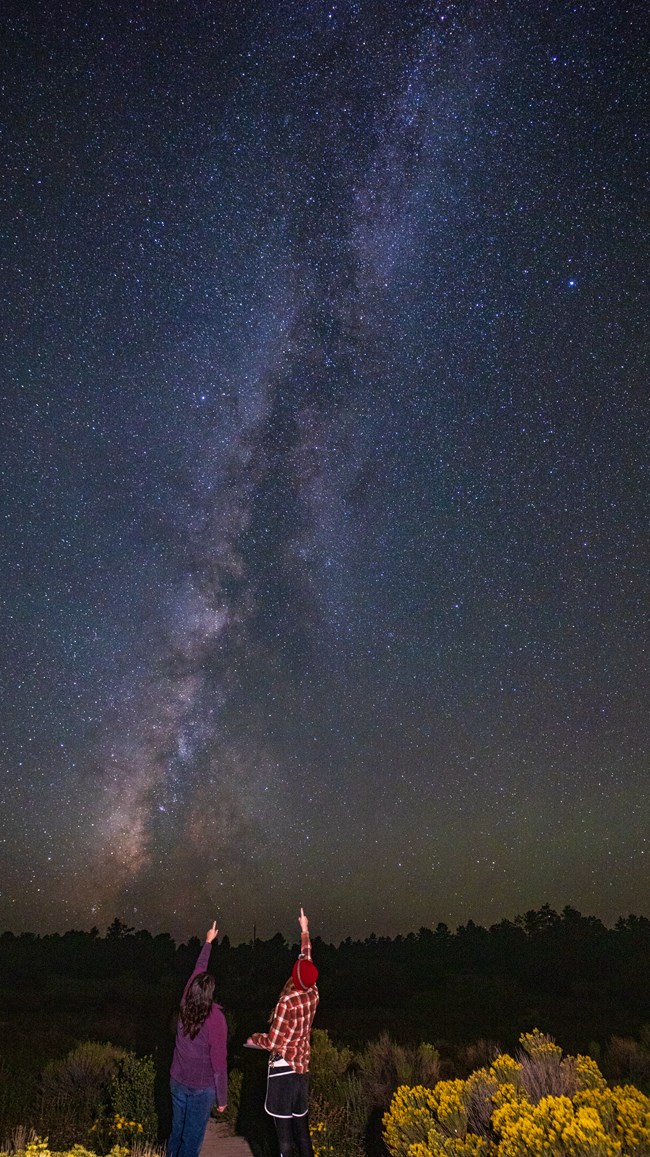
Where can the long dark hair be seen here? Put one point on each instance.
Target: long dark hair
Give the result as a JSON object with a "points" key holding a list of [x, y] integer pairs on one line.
{"points": [[195, 1009]]}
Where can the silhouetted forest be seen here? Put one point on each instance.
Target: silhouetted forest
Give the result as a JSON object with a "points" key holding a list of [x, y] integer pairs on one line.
{"points": [[565, 972]]}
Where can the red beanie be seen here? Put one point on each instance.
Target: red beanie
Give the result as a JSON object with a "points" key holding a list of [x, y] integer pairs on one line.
{"points": [[304, 973]]}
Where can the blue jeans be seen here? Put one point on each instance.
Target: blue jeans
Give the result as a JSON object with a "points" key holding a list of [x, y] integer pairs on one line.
{"points": [[190, 1113]]}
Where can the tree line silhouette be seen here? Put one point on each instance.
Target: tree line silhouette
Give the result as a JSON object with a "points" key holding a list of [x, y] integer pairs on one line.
{"points": [[569, 973]]}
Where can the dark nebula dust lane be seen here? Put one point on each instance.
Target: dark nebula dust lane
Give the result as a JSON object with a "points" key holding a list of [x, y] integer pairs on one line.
{"points": [[325, 452]]}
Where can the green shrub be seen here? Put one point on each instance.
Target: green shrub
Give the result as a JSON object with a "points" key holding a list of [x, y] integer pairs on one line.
{"points": [[338, 1129], [385, 1065], [131, 1094], [235, 1078], [328, 1066], [83, 1076], [628, 1059], [74, 1091], [338, 1112], [477, 1054], [347, 1089], [100, 1095]]}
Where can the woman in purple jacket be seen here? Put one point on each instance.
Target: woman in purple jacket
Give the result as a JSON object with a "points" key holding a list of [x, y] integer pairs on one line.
{"points": [[199, 1073]]}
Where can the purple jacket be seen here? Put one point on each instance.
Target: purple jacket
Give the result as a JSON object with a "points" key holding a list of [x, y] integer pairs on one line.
{"points": [[201, 1063]]}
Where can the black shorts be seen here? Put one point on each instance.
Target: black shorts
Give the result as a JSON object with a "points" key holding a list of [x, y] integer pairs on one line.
{"points": [[287, 1092]]}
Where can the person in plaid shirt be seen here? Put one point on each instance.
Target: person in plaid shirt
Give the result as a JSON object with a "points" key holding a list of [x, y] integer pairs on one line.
{"points": [[287, 1086]]}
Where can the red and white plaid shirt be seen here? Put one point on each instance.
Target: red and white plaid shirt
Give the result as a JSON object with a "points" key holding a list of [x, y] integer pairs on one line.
{"points": [[292, 1020]]}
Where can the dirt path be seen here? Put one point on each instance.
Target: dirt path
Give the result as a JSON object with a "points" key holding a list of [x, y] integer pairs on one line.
{"points": [[220, 1143]]}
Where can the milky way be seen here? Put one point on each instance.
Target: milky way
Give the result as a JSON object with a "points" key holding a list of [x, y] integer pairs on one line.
{"points": [[325, 545]]}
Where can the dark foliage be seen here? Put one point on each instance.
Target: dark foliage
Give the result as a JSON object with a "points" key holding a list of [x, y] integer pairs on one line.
{"points": [[584, 981]]}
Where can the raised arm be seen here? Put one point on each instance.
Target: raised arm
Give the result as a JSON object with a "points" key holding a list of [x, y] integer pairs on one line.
{"points": [[305, 942], [204, 955]]}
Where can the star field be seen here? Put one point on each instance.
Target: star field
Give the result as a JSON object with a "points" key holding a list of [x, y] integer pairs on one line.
{"points": [[325, 543]]}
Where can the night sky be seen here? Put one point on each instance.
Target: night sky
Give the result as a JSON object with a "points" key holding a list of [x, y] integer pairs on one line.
{"points": [[324, 377]]}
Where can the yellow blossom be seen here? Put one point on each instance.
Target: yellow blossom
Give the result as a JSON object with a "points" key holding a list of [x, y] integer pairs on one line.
{"points": [[588, 1073], [540, 1044]]}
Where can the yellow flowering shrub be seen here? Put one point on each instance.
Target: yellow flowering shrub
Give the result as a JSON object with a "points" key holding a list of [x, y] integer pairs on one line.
{"points": [[449, 1107], [422, 1122], [503, 1111], [117, 1131], [625, 1113], [471, 1146], [409, 1120], [588, 1073], [507, 1094], [320, 1139], [39, 1147], [539, 1044], [506, 1070], [554, 1126], [338, 1128], [120, 1123]]}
